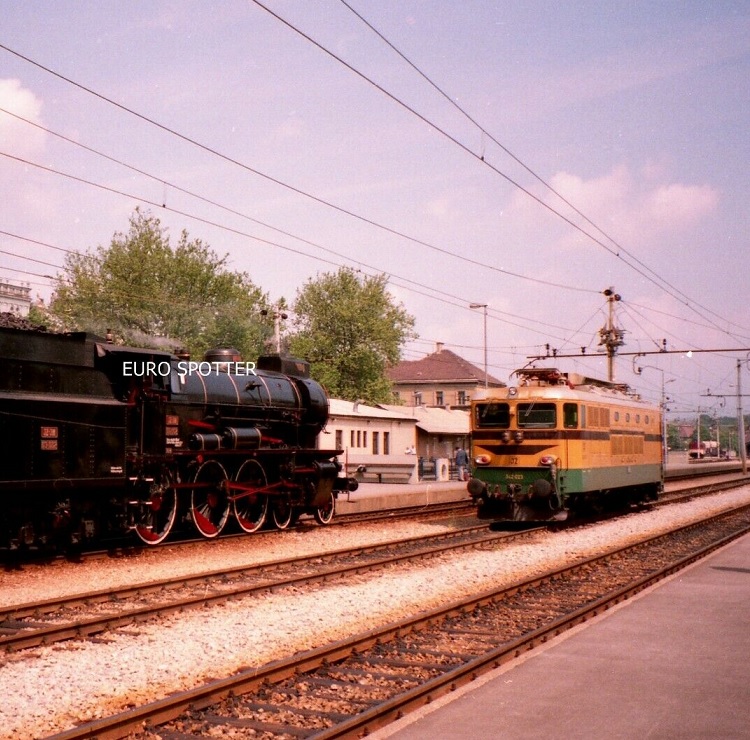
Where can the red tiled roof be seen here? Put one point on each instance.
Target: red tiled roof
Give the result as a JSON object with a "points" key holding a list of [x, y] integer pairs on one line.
{"points": [[442, 366]]}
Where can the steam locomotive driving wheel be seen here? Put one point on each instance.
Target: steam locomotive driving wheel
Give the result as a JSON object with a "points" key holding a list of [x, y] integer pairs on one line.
{"points": [[209, 503], [250, 508], [157, 511], [282, 512], [324, 514]]}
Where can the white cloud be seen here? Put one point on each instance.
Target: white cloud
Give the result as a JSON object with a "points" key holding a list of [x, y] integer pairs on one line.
{"points": [[636, 208], [678, 206], [18, 137]]}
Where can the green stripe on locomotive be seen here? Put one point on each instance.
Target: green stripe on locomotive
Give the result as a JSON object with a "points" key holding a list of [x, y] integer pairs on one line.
{"points": [[607, 478], [572, 481]]}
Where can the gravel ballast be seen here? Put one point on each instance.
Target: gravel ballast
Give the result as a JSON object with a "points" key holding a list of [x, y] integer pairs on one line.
{"points": [[51, 689]]}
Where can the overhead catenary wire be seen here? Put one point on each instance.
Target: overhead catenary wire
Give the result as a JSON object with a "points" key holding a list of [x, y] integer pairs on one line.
{"points": [[270, 178], [456, 301], [559, 286], [485, 132], [617, 252], [316, 198]]}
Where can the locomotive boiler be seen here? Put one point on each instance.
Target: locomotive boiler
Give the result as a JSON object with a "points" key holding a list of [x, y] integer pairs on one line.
{"points": [[99, 439]]}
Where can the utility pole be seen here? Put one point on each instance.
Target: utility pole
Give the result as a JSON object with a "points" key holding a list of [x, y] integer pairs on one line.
{"points": [[484, 306], [741, 419], [610, 336]]}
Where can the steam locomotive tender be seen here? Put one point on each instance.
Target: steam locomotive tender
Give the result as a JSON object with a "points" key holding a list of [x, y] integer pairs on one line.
{"points": [[557, 443], [98, 439]]}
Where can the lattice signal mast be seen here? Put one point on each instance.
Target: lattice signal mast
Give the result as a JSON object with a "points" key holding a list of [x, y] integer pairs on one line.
{"points": [[610, 336]]}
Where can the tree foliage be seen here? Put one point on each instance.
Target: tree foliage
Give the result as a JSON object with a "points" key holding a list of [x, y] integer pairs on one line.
{"points": [[141, 288], [350, 330]]}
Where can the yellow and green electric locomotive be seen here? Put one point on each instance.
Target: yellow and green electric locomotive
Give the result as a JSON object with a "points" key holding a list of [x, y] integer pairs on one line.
{"points": [[561, 442]]}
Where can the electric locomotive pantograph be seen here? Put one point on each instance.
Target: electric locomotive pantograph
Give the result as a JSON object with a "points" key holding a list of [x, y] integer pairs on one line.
{"points": [[558, 443]]}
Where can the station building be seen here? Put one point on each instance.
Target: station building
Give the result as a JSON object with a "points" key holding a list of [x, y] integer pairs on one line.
{"points": [[14, 299]]}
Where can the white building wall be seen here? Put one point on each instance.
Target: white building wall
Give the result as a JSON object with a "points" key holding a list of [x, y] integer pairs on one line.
{"points": [[373, 440], [15, 299]]}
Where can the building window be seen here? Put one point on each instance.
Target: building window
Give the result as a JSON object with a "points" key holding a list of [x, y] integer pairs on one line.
{"points": [[376, 443], [439, 399], [462, 398], [364, 438], [353, 439], [339, 440], [386, 443], [417, 399]]}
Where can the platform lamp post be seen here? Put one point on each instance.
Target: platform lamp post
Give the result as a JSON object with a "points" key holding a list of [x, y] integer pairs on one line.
{"points": [[638, 370], [741, 416], [483, 306]]}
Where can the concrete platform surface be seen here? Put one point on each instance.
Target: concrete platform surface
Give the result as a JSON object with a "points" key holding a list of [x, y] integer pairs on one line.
{"points": [[672, 663], [378, 496]]}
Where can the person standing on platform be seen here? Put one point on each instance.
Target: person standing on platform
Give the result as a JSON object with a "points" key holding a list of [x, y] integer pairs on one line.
{"points": [[462, 461]]}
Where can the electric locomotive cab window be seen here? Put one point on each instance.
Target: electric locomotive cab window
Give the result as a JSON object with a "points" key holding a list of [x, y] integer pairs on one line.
{"points": [[536, 415], [492, 415], [570, 415]]}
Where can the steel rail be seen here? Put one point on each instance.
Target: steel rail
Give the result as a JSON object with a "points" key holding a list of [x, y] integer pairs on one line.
{"points": [[164, 710], [44, 635]]}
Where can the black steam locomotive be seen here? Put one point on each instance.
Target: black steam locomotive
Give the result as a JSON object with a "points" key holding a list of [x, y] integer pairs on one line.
{"points": [[98, 439]]}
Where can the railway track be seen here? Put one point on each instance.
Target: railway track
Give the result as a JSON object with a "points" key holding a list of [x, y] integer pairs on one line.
{"points": [[351, 687], [96, 613], [93, 613]]}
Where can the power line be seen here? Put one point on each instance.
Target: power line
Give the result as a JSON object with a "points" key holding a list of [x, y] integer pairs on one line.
{"points": [[320, 200], [515, 158], [455, 300], [653, 278], [316, 198], [281, 183]]}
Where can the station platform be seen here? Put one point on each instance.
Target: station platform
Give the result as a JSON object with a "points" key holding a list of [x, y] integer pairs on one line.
{"points": [[379, 496], [673, 662]]}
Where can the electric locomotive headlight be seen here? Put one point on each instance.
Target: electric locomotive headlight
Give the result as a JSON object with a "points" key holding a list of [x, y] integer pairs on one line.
{"points": [[482, 459], [547, 460], [505, 436], [518, 436]]}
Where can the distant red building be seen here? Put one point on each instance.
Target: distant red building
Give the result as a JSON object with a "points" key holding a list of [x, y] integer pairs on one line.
{"points": [[442, 379]]}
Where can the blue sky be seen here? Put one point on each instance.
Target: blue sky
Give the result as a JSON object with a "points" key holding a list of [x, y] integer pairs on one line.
{"points": [[637, 114]]}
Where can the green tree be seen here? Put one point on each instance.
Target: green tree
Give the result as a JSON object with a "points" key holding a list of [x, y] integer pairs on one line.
{"points": [[141, 289], [350, 329]]}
